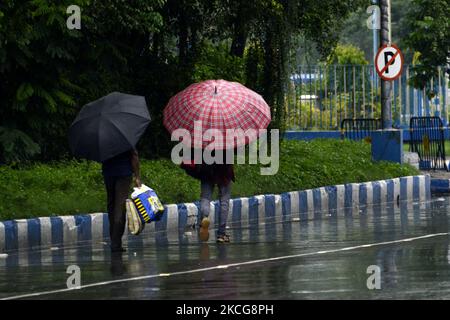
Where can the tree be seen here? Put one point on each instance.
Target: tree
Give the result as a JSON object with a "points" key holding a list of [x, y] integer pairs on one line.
{"points": [[347, 55], [47, 72], [152, 48], [430, 39]]}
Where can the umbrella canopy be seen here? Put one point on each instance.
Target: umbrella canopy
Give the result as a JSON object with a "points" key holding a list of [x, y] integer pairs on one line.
{"points": [[220, 105], [109, 126]]}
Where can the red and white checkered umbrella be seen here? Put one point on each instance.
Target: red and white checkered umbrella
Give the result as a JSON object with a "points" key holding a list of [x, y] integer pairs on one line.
{"points": [[227, 113]]}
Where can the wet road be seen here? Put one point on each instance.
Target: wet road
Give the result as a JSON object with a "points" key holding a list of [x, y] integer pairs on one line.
{"points": [[324, 257]]}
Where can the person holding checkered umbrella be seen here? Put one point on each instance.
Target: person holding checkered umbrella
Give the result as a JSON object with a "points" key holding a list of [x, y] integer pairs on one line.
{"points": [[221, 116]]}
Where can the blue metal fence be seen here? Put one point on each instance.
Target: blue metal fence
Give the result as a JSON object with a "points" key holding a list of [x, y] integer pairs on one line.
{"points": [[320, 97]]}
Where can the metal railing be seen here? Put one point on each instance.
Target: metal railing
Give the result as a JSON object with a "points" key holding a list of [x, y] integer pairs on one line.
{"points": [[427, 139], [359, 129], [320, 97]]}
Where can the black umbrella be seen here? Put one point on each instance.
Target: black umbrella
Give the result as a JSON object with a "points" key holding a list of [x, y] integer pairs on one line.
{"points": [[109, 126]]}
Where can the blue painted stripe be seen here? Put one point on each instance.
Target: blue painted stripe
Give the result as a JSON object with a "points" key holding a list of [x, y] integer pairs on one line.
{"points": [[317, 200], [332, 198], [285, 204], [216, 212], [428, 187], [416, 188], [236, 213], [199, 210], [11, 239], [403, 189], [182, 215], [34, 232], [269, 204], [390, 190], [440, 185], [84, 227], [376, 192], [303, 205], [362, 195], [161, 225], [105, 226], [57, 230], [253, 210], [348, 195]]}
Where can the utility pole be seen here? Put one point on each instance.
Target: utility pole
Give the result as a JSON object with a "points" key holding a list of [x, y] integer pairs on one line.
{"points": [[376, 37], [387, 144], [386, 86]]}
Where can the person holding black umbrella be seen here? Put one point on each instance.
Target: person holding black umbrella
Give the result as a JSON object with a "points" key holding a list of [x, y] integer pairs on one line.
{"points": [[117, 174], [107, 131]]}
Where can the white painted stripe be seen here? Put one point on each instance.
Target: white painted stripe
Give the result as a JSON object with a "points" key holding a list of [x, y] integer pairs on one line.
{"points": [[46, 231], [22, 233], [369, 195], [192, 213], [149, 228], [278, 208], [383, 191], [261, 208], [97, 225], [396, 188], [69, 229], [422, 194], [2, 237], [324, 198], [244, 211], [409, 184], [22, 241], [230, 209], [355, 195], [172, 229], [340, 196], [172, 217], [212, 214], [310, 197], [295, 198], [231, 265]]}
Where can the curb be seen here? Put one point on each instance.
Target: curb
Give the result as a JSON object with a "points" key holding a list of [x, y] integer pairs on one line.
{"points": [[439, 186], [65, 230]]}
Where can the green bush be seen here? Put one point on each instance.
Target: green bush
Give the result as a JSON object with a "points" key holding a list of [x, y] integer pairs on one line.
{"points": [[71, 187]]}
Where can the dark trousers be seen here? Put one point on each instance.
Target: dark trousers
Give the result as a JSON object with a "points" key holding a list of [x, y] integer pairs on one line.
{"points": [[207, 189], [117, 189]]}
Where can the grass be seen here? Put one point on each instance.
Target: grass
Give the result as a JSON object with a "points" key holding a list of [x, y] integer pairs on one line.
{"points": [[73, 187]]}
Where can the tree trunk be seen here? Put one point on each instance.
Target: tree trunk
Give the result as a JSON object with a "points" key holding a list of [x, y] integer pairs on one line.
{"points": [[239, 41]]}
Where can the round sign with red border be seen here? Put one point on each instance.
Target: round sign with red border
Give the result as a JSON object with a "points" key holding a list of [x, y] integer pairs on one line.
{"points": [[389, 62]]}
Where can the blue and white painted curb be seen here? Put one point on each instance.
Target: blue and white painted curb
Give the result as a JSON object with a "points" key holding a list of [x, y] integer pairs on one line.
{"points": [[177, 218], [440, 186]]}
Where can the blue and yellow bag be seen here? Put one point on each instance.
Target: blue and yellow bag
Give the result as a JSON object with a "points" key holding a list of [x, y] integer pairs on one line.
{"points": [[147, 203]]}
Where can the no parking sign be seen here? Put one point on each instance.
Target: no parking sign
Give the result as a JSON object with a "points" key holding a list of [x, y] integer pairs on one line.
{"points": [[389, 62]]}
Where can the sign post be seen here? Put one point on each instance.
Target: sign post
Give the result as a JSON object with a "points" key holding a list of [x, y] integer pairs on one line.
{"points": [[386, 86], [387, 144], [389, 62]]}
